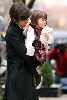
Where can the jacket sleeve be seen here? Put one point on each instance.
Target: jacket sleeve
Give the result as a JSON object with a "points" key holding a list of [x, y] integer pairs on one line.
{"points": [[19, 45]]}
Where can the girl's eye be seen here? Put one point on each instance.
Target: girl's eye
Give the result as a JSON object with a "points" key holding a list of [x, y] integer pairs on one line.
{"points": [[44, 19]]}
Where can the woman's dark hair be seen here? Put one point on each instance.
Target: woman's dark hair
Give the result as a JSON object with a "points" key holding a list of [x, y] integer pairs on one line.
{"points": [[36, 14], [19, 11]]}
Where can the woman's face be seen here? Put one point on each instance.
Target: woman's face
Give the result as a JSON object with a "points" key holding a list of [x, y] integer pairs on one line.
{"points": [[22, 23], [41, 22]]}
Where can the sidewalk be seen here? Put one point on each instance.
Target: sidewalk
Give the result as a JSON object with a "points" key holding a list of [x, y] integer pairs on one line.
{"points": [[63, 97]]}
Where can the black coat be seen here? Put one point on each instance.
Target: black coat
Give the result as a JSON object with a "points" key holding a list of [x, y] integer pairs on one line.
{"points": [[20, 67]]}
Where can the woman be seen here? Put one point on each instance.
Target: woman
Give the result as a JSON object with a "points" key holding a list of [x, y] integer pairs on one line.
{"points": [[20, 67]]}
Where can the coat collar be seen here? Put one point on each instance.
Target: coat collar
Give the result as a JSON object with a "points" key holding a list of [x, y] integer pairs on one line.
{"points": [[20, 30]]}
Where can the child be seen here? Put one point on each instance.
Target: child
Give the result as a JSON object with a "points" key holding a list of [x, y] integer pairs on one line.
{"points": [[35, 42], [38, 22], [42, 36], [38, 31]]}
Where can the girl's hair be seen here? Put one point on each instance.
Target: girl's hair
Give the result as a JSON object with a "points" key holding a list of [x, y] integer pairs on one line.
{"points": [[36, 14], [19, 11]]}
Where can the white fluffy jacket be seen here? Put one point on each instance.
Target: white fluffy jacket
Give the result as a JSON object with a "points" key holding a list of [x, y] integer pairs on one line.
{"points": [[30, 38]]}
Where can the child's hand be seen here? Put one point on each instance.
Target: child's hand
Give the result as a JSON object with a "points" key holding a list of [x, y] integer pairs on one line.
{"points": [[47, 36]]}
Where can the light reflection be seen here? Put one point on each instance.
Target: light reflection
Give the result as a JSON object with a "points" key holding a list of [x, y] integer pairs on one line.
{"points": [[61, 22]]}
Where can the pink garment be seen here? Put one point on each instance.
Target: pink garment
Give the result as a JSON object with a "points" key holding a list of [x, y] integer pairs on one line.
{"points": [[40, 51]]}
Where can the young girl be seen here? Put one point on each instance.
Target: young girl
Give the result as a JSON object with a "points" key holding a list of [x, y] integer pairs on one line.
{"points": [[38, 22], [31, 40], [38, 29], [36, 42]]}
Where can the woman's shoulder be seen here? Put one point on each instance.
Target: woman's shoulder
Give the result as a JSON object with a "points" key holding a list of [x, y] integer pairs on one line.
{"points": [[13, 29]]}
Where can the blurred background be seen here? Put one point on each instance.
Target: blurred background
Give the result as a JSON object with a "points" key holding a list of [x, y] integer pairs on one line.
{"points": [[56, 10]]}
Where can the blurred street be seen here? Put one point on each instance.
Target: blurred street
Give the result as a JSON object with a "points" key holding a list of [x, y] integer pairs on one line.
{"points": [[63, 97]]}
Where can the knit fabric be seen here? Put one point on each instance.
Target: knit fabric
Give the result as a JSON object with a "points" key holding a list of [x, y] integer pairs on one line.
{"points": [[40, 51]]}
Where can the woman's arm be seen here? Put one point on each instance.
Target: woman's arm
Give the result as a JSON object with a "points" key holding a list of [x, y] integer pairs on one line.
{"points": [[19, 45]]}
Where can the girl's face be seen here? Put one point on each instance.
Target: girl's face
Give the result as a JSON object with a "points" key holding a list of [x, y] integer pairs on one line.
{"points": [[41, 22]]}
